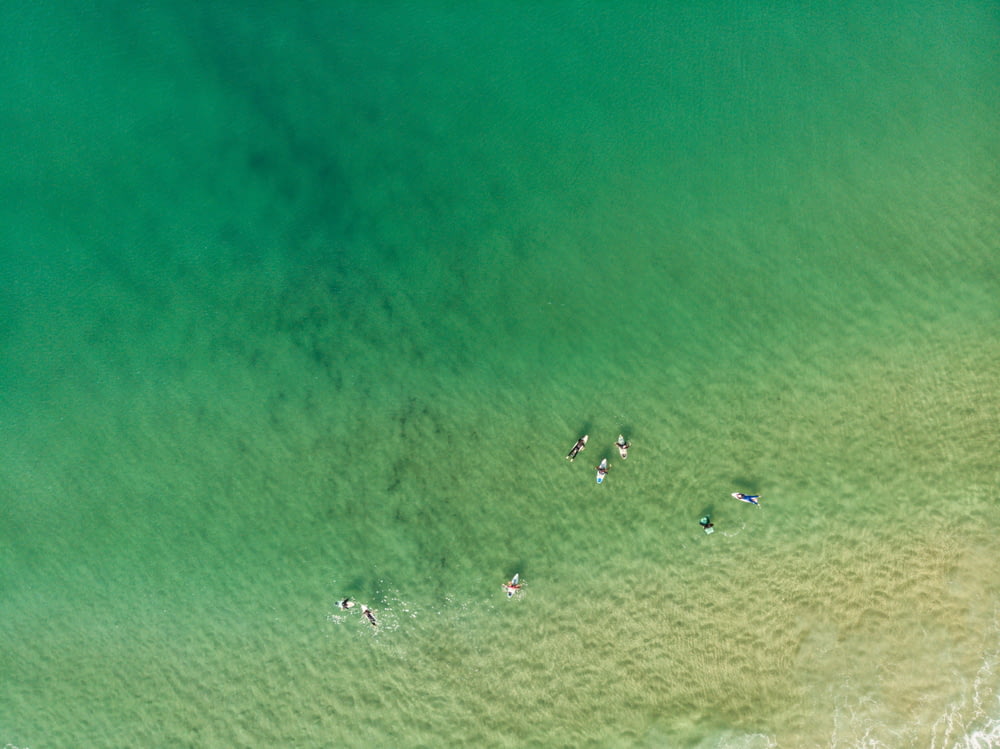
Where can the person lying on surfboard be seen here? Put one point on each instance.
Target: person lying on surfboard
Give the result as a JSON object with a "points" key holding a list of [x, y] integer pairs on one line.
{"points": [[748, 498], [368, 614], [346, 604], [623, 446], [580, 444], [513, 586]]}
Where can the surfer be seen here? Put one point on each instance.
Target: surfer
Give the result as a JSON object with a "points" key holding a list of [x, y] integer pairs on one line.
{"points": [[748, 498], [602, 470], [707, 524], [346, 604], [513, 586], [580, 444], [368, 614], [623, 446]]}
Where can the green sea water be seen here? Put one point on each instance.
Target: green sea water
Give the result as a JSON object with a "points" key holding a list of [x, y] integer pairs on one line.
{"points": [[308, 302]]}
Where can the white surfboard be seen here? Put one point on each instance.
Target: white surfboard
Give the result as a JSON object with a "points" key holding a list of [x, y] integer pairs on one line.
{"points": [[368, 614], [513, 586], [749, 499], [622, 446], [602, 471], [578, 448]]}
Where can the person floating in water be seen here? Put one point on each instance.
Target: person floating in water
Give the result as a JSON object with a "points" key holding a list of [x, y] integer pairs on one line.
{"points": [[578, 447], [707, 524], [346, 604], [368, 614], [748, 498], [513, 586]]}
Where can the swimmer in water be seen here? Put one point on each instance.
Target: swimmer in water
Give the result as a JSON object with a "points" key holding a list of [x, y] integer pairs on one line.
{"points": [[748, 498], [513, 586], [707, 524], [368, 614]]}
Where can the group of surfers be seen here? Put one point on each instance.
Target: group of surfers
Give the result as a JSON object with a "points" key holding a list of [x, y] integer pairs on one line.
{"points": [[514, 585], [623, 446], [366, 612], [603, 468]]}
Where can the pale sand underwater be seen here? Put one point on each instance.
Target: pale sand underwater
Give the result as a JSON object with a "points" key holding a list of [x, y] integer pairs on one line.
{"points": [[313, 305]]}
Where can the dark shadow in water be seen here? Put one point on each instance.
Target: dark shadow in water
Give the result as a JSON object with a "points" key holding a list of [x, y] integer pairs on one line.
{"points": [[746, 485]]}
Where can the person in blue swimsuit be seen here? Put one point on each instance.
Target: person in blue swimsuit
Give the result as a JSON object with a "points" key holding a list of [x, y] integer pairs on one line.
{"points": [[748, 498]]}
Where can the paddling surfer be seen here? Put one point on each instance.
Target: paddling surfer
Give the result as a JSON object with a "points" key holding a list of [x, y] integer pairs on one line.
{"points": [[368, 614], [513, 586], [748, 498], [578, 447]]}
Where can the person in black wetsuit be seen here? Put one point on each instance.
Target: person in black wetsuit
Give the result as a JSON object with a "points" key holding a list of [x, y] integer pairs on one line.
{"points": [[368, 614], [580, 445]]}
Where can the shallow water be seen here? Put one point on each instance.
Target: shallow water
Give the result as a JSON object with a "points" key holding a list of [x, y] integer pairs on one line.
{"points": [[306, 305]]}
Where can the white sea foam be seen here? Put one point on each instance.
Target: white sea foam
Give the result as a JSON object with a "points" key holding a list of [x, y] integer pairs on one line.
{"points": [[986, 736], [973, 722]]}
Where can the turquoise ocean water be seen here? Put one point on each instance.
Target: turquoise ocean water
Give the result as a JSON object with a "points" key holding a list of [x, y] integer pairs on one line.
{"points": [[308, 302]]}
